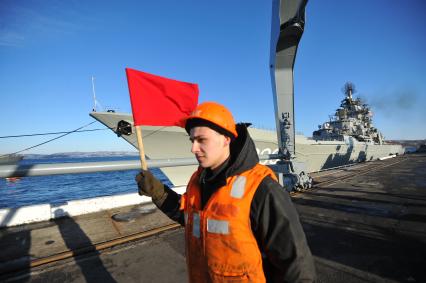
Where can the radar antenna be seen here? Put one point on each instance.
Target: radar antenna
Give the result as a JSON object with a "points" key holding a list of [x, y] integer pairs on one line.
{"points": [[349, 89]]}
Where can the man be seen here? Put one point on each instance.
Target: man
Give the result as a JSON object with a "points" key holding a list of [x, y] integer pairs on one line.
{"points": [[240, 224]]}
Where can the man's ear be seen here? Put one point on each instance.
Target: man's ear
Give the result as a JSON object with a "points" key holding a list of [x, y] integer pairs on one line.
{"points": [[227, 140]]}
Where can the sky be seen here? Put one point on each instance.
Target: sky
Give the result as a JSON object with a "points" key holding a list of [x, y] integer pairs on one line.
{"points": [[49, 51]]}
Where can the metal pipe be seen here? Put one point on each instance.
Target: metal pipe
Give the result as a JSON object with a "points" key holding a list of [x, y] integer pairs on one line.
{"points": [[27, 170]]}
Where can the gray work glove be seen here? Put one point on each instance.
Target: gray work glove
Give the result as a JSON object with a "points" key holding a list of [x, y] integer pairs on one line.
{"points": [[150, 186]]}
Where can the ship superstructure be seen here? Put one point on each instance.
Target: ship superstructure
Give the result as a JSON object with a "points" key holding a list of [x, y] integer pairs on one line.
{"points": [[352, 119]]}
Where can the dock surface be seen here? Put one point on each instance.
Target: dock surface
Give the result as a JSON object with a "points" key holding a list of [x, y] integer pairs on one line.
{"points": [[365, 223]]}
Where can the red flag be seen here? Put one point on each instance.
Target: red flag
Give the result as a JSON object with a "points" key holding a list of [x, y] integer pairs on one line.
{"points": [[159, 101]]}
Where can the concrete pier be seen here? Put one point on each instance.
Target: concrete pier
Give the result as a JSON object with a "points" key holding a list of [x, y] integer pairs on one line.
{"points": [[365, 223]]}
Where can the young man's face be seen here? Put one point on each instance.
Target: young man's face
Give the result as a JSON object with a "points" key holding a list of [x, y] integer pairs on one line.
{"points": [[209, 147]]}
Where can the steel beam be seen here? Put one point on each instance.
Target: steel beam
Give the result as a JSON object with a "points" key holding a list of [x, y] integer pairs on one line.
{"points": [[90, 167]]}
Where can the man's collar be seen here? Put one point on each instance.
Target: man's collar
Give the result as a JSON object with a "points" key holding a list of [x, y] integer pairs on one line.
{"points": [[209, 174]]}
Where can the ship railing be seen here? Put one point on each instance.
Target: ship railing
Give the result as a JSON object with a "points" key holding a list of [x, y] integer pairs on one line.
{"points": [[27, 170]]}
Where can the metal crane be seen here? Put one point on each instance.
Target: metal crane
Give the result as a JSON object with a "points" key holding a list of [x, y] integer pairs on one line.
{"points": [[288, 22]]}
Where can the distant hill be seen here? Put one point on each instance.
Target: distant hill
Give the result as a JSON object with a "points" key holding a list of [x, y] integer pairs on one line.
{"points": [[77, 154], [408, 143], [81, 154]]}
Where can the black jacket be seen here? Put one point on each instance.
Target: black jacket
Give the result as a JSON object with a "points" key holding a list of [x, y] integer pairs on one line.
{"points": [[274, 220]]}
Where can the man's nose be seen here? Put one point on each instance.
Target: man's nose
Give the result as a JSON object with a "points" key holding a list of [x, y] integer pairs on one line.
{"points": [[195, 147]]}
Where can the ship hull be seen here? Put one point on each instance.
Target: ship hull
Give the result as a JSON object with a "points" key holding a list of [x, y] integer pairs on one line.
{"points": [[173, 142]]}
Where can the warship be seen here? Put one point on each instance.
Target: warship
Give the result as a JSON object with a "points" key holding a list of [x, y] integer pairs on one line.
{"points": [[348, 137]]}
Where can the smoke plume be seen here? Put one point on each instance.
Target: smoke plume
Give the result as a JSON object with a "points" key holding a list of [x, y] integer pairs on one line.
{"points": [[397, 102]]}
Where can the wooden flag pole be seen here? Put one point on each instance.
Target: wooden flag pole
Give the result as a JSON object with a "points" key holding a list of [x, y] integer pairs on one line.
{"points": [[140, 145]]}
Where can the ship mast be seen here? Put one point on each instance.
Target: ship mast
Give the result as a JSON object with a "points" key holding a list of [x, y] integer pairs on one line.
{"points": [[95, 102]]}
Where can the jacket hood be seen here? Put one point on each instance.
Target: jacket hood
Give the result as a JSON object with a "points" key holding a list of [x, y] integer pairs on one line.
{"points": [[243, 152]]}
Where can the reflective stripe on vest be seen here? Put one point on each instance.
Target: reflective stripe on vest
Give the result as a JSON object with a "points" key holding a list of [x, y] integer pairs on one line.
{"points": [[238, 187], [218, 226], [186, 217], [196, 225]]}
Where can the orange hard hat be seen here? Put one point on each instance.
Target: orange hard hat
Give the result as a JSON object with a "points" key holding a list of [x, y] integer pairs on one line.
{"points": [[214, 113]]}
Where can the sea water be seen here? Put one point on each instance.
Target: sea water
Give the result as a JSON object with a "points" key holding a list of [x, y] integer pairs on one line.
{"points": [[58, 189]]}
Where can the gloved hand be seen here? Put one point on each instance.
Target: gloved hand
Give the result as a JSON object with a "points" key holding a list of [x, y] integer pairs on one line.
{"points": [[149, 185]]}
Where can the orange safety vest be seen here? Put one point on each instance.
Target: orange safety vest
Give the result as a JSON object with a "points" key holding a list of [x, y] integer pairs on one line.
{"points": [[220, 245]]}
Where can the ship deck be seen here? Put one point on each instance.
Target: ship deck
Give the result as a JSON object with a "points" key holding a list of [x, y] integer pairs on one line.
{"points": [[365, 223]]}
